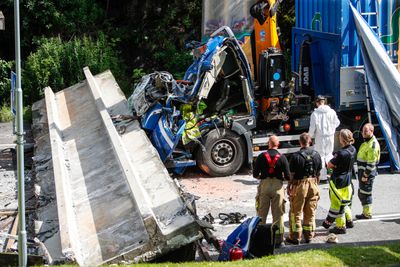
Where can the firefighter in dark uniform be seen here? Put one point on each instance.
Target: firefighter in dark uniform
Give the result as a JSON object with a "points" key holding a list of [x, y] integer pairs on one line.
{"points": [[272, 168], [340, 186], [367, 161], [303, 191]]}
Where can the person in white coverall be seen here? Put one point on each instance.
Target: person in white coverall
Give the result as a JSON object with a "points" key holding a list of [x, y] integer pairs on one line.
{"points": [[323, 124]]}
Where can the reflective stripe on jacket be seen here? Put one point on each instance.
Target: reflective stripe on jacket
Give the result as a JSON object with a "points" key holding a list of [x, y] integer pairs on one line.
{"points": [[368, 157]]}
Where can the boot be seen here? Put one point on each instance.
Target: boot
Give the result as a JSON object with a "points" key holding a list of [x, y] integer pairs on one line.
{"points": [[308, 235], [362, 216], [279, 241], [326, 224], [349, 224], [338, 231], [366, 213], [292, 241]]}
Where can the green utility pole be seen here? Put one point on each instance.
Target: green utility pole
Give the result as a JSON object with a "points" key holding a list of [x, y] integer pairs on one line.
{"points": [[22, 251]]}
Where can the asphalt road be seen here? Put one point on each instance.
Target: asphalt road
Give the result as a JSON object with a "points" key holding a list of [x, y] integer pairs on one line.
{"points": [[236, 194]]}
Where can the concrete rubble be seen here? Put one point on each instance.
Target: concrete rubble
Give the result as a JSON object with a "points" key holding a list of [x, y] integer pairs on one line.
{"points": [[95, 200]]}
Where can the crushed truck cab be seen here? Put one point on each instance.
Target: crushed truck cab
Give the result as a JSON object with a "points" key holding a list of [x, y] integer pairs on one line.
{"points": [[207, 117]]}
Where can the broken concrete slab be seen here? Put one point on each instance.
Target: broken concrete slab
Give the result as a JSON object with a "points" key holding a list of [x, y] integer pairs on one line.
{"points": [[109, 203]]}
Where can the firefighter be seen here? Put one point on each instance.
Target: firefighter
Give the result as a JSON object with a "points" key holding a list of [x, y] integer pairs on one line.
{"points": [[303, 191], [340, 185], [272, 168], [323, 123], [367, 162]]}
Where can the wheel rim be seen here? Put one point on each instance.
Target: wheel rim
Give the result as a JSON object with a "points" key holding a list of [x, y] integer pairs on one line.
{"points": [[223, 152]]}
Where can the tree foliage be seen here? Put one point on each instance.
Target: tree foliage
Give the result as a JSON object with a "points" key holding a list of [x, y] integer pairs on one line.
{"points": [[157, 30], [59, 64], [286, 18], [65, 18], [5, 85], [130, 37]]}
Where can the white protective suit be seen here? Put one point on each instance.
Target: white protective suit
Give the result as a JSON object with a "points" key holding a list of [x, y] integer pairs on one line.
{"points": [[323, 124]]}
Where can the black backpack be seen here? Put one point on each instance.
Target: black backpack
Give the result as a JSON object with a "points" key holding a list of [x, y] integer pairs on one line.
{"points": [[262, 240], [309, 168]]}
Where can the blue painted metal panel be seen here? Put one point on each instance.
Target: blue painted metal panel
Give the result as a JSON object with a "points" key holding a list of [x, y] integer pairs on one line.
{"points": [[389, 13], [325, 60], [319, 15], [333, 16], [151, 117], [164, 138]]}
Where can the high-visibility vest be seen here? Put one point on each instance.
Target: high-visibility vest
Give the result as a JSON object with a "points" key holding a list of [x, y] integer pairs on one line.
{"points": [[368, 156]]}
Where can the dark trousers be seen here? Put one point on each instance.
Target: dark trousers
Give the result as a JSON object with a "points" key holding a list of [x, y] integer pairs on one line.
{"points": [[365, 190]]}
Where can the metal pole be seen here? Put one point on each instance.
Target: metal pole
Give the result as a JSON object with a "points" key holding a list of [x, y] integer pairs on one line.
{"points": [[22, 251]]}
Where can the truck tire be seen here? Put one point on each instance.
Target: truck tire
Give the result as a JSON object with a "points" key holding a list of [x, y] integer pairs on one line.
{"points": [[223, 155]]}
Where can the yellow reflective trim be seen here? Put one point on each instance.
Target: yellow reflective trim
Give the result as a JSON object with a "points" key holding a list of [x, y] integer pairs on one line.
{"points": [[334, 215], [371, 168], [293, 225], [308, 228]]}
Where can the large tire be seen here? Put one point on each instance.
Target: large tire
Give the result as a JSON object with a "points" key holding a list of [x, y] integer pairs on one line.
{"points": [[223, 155]]}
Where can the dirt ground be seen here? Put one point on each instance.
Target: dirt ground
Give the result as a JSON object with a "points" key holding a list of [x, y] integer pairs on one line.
{"points": [[9, 185], [217, 195]]}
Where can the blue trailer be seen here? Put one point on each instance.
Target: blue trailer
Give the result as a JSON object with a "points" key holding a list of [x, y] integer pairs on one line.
{"points": [[327, 29], [326, 53]]}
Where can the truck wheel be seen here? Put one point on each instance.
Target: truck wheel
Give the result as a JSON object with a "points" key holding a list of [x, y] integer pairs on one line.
{"points": [[223, 155]]}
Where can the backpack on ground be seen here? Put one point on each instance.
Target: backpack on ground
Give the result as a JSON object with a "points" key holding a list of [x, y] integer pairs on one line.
{"points": [[262, 241], [240, 237]]}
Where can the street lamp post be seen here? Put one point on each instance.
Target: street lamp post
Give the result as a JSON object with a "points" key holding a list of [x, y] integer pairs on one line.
{"points": [[22, 251]]}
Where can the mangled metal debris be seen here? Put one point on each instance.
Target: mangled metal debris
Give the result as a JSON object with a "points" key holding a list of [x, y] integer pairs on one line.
{"points": [[207, 117]]}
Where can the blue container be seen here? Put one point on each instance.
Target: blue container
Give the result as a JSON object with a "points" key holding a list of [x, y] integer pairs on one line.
{"points": [[334, 16], [389, 12], [330, 27]]}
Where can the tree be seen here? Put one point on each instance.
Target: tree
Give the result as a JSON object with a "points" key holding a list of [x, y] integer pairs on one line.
{"points": [[59, 64]]}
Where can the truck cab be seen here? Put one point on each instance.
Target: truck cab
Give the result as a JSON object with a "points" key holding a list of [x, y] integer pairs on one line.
{"points": [[206, 118]]}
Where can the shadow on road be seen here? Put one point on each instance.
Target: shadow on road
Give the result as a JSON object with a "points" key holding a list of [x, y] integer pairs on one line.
{"points": [[246, 182], [392, 221]]}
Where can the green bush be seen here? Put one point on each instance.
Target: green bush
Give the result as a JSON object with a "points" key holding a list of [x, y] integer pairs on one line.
{"points": [[65, 18], [59, 64], [137, 74], [5, 83], [5, 113], [27, 113], [159, 31], [174, 60]]}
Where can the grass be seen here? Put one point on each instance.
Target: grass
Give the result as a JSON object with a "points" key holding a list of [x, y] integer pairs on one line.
{"points": [[385, 255]]}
